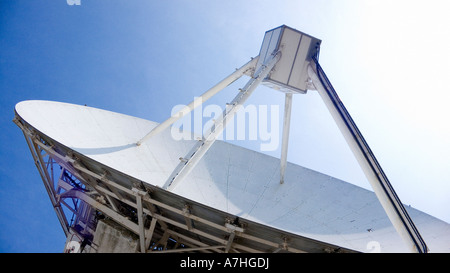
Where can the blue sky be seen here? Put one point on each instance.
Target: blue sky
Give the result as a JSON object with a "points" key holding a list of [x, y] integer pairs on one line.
{"points": [[388, 61]]}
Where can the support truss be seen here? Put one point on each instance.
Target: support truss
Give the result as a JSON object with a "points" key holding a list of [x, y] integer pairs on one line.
{"points": [[82, 192]]}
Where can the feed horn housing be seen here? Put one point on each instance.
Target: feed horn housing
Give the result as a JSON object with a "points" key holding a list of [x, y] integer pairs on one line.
{"points": [[290, 74]]}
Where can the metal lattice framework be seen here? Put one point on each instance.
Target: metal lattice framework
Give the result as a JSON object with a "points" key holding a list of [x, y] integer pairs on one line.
{"points": [[82, 192]]}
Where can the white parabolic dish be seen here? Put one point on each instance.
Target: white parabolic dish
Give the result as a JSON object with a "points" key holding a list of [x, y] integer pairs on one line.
{"points": [[233, 179]]}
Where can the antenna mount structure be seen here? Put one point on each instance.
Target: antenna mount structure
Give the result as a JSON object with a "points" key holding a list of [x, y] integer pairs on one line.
{"points": [[97, 181], [291, 57]]}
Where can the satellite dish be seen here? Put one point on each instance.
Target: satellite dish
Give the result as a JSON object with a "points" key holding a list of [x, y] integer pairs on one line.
{"points": [[191, 195], [96, 147]]}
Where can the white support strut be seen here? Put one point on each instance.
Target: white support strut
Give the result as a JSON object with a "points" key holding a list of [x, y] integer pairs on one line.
{"points": [[202, 146], [285, 138], [200, 100], [385, 194]]}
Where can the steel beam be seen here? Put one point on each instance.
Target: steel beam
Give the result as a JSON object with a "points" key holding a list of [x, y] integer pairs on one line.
{"points": [[285, 138], [200, 100], [140, 216], [149, 234], [385, 193], [202, 146], [48, 184]]}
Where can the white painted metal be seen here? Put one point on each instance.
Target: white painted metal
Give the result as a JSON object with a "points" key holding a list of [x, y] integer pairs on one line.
{"points": [[228, 179], [285, 138], [47, 180], [296, 49], [201, 147], [203, 98], [383, 196]]}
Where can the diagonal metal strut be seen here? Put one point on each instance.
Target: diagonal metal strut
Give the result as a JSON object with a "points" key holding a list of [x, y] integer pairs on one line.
{"points": [[202, 146], [199, 100]]}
